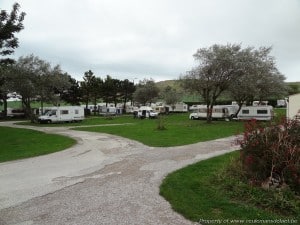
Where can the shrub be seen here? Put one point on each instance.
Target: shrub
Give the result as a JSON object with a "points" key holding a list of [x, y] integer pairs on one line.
{"points": [[161, 123], [270, 155]]}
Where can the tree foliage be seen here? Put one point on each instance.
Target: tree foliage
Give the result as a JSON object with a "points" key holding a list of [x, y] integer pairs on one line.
{"points": [[146, 92], [170, 96], [247, 74], [217, 68], [259, 78], [34, 78], [10, 23], [73, 94]]}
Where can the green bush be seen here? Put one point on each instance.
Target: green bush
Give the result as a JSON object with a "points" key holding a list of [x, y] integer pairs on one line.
{"points": [[233, 181], [270, 155]]}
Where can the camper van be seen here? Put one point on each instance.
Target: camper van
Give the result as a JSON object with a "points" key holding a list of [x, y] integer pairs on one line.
{"points": [[219, 112], [62, 114], [256, 112], [146, 112]]}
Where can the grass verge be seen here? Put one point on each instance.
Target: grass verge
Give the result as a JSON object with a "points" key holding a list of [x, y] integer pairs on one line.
{"points": [[197, 194], [19, 143], [178, 130]]}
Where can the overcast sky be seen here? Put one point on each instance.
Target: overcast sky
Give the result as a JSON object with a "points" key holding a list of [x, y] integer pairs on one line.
{"points": [[138, 39]]}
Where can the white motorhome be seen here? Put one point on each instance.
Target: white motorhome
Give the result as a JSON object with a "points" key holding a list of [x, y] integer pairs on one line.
{"points": [[218, 112], [146, 112], [256, 112], [62, 114]]}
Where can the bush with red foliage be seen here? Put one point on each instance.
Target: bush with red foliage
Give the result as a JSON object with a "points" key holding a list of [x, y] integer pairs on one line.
{"points": [[271, 153]]}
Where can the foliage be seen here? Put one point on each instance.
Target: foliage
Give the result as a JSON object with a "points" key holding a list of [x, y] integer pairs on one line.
{"points": [[146, 92], [19, 143], [197, 192], [259, 79], [218, 66], [10, 23], [244, 73], [171, 96], [34, 78], [293, 88], [127, 89], [233, 181], [272, 154], [89, 87], [161, 123], [73, 94]]}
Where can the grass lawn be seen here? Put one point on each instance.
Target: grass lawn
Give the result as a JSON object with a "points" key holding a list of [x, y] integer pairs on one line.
{"points": [[89, 121], [193, 192], [19, 143], [179, 130]]}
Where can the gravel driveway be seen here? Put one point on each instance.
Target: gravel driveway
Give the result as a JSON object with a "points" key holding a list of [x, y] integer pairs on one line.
{"points": [[103, 179]]}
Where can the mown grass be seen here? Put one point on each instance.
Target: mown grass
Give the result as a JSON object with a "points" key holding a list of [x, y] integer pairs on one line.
{"points": [[197, 194], [19, 143], [179, 130]]}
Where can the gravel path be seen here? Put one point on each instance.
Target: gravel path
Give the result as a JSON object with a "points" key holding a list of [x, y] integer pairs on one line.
{"points": [[104, 179]]}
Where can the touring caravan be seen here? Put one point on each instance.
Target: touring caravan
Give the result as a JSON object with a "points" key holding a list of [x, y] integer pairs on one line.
{"points": [[256, 112], [218, 112], [62, 114], [15, 112]]}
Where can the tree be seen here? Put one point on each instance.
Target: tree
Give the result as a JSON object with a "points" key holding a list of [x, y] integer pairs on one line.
{"points": [[87, 85], [217, 68], [146, 92], [111, 90], [10, 23], [171, 96], [73, 94], [293, 88], [34, 78], [96, 91], [5, 84], [127, 88], [258, 78]]}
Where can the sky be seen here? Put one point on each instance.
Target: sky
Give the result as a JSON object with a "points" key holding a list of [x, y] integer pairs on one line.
{"points": [[143, 39]]}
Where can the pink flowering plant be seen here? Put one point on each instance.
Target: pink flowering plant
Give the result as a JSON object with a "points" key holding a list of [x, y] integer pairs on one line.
{"points": [[271, 154]]}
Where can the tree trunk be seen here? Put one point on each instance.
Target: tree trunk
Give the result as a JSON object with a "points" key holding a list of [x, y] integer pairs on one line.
{"points": [[4, 107]]}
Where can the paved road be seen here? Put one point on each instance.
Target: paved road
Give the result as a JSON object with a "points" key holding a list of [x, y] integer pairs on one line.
{"points": [[104, 179]]}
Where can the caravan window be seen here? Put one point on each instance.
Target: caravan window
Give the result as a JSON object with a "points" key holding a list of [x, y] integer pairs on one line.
{"points": [[76, 111], [64, 112], [245, 111], [203, 110], [262, 111], [217, 110]]}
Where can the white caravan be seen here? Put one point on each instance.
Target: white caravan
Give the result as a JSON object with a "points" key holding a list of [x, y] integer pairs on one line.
{"points": [[62, 114], [146, 112], [256, 112], [293, 107], [218, 112], [15, 112]]}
